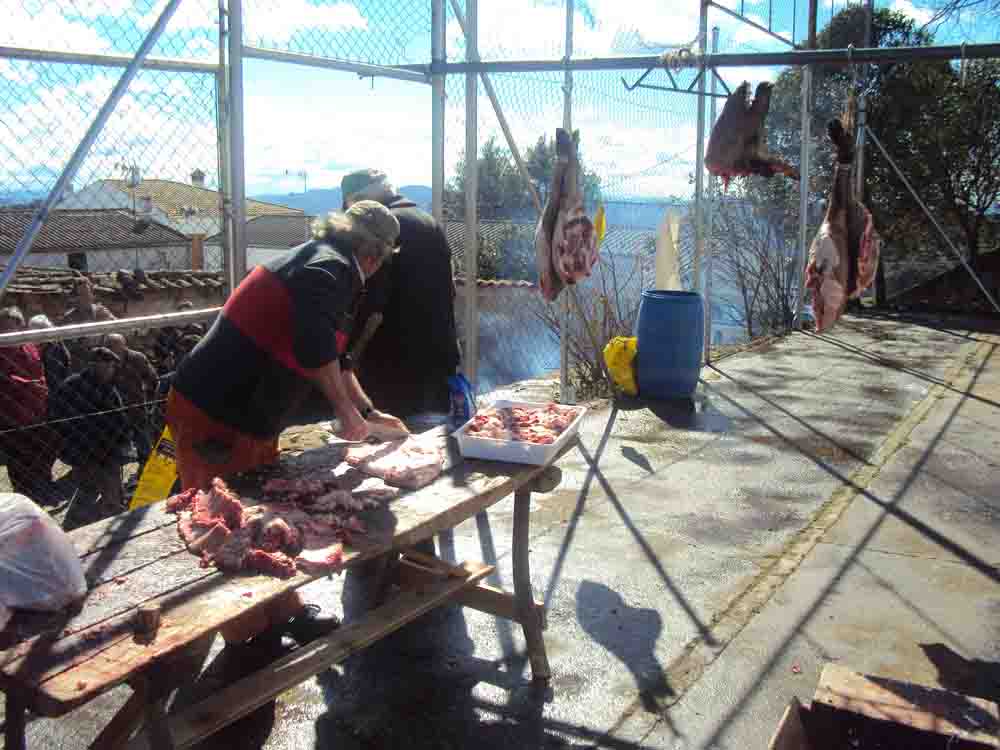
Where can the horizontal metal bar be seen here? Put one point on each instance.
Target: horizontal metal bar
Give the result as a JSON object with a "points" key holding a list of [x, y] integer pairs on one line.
{"points": [[83, 330], [748, 22], [732, 60], [172, 65], [362, 69], [677, 90]]}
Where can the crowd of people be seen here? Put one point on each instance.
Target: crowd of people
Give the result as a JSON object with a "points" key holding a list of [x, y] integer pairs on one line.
{"points": [[93, 404]]}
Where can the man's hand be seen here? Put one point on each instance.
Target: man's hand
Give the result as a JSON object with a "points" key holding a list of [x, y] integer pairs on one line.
{"points": [[387, 420], [353, 427]]}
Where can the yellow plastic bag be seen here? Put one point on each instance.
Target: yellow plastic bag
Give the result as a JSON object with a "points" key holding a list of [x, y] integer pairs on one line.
{"points": [[619, 355], [158, 475]]}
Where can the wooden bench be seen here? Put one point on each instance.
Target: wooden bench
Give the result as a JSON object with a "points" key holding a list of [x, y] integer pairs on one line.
{"points": [[59, 662]]}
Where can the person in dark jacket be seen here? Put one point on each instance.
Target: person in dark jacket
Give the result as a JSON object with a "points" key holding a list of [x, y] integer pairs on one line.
{"points": [[55, 355], [283, 330], [23, 397], [415, 295], [87, 412]]}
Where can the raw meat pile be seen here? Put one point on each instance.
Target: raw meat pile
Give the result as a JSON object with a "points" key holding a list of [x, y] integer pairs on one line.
{"points": [[304, 530], [541, 425], [408, 463]]}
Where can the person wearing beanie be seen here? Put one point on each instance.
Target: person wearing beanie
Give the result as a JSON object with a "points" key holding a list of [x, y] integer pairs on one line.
{"points": [[410, 303]]}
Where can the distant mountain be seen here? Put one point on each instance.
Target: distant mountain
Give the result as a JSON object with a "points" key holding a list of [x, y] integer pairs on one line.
{"points": [[20, 197], [316, 202]]}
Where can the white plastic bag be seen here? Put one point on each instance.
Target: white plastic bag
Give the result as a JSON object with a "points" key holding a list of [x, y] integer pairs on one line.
{"points": [[39, 569]]}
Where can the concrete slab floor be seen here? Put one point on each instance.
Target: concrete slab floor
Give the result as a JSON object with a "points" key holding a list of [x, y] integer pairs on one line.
{"points": [[646, 564], [906, 585]]}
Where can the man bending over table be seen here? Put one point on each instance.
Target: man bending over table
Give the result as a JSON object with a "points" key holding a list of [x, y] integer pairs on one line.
{"points": [[285, 326]]}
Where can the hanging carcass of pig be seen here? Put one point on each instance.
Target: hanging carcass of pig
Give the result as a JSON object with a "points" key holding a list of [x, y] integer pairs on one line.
{"points": [[566, 240], [843, 257], [737, 146]]}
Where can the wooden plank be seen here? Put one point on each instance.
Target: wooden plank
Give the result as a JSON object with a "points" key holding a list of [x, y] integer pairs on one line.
{"points": [[916, 706], [240, 698], [790, 734], [194, 602], [95, 536], [481, 597]]}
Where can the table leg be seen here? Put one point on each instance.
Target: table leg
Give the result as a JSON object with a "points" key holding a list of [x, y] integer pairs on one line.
{"points": [[524, 599], [126, 721], [15, 723], [157, 727]]}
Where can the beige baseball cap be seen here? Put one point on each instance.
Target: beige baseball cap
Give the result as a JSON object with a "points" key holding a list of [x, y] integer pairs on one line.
{"points": [[376, 219]]}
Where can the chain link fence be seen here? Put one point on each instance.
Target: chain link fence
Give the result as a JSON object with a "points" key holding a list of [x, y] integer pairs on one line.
{"points": [[80, 417], [143, 220]]}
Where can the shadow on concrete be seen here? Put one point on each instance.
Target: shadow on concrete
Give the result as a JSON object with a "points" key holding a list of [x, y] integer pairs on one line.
{"points": [[975, 677], [895, 365], [422, 687], [681, 413], [891, 508], [630, 634], [232, 663]]}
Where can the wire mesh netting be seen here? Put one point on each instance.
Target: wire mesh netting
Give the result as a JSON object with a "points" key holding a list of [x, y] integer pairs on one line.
{"points": [[149, 183], [79, 418], [145, 208], [366, 31]]}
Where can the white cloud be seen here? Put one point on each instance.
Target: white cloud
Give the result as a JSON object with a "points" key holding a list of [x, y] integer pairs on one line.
{"points": [[917, 13], [276, 23], [42, 134], [48, 29]]}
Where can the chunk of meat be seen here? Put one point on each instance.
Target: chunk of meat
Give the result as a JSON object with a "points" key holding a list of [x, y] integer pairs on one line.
{"points": [[277, 535], [181, 501], [404, 463], [233, 552], [330, 501], [202, 540], [322, 560], [737, 145], [270, 563], [218, 504]]}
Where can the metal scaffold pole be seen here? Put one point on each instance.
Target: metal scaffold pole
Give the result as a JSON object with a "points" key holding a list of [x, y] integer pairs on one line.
{"points": [[709, 217], [471, 352], [806, 115], [699, 158], [83, 148], [566, 394], [437, 110], [237, 186]]}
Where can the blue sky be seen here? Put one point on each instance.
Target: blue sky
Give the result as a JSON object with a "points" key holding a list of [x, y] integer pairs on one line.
{"points": [[328, 123]]}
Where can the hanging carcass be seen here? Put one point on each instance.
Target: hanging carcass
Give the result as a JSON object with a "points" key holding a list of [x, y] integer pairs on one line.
{"points": [[844, 255], [566, 240], [737, 145]]}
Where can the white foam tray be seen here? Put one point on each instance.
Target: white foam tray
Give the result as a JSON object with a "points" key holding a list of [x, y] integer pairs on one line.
{"points": [[515, 451]]}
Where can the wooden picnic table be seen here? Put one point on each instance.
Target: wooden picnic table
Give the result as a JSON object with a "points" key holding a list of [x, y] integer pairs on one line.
{"points": [[52, 664]]}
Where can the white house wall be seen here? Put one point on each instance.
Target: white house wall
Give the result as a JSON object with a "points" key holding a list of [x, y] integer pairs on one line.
{"points": [[148, 259]]}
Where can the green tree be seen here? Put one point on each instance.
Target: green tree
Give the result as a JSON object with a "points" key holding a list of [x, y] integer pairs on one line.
{"points": [[921, 114]]}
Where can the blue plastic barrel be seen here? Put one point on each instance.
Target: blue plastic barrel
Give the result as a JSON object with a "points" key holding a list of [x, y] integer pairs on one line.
{"points": [[671, 339]]}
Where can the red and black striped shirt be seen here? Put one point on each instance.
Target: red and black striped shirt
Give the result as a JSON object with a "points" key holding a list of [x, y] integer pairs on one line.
{"points": [[288, 316]]}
